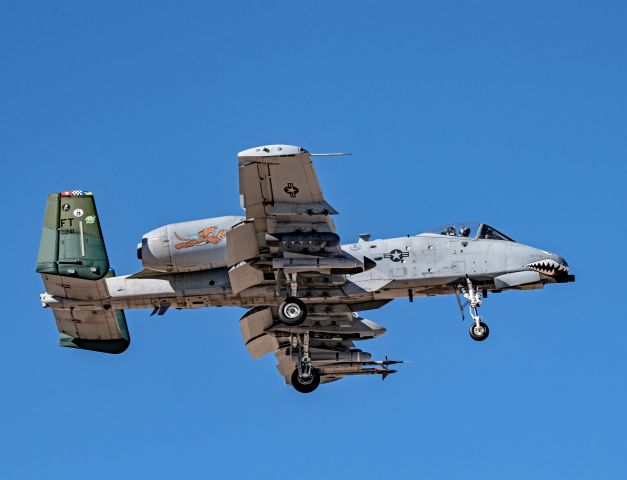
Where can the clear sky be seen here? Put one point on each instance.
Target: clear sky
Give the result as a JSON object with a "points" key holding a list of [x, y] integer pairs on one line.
{"points": [[508, 112]]}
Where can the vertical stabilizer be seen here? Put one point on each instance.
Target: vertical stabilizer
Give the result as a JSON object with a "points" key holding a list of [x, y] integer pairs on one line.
{"points": [[71, 241]]}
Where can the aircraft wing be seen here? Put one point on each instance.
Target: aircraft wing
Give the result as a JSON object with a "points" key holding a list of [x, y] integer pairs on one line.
{"points": [[333, 330], [280, 191], [289, 237], [287, 221]]}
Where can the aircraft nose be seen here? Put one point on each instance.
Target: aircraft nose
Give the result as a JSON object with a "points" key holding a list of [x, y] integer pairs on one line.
{"points": [[561, 261]]}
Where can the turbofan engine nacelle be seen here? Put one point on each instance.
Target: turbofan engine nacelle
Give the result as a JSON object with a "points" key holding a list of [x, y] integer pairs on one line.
{"points": [[187, 246]]}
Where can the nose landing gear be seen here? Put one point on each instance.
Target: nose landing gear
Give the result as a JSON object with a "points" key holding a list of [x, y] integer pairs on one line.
{"points": [[479, 331]]}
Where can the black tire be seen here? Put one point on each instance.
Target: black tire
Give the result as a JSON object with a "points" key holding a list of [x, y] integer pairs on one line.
{"points": [[308, 387], [479, 336], [292, 311]]}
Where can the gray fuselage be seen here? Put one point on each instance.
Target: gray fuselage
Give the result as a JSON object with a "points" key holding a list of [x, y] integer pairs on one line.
{"points": [[425, 264]]}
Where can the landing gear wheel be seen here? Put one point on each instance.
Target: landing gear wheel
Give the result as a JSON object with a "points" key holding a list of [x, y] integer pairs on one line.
{"points": [[306, 385], [292, 311], [479, 333]]}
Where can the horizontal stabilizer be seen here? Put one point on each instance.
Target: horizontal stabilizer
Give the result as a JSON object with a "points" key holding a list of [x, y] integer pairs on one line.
{"points": [[97, 330], [105, 331]]}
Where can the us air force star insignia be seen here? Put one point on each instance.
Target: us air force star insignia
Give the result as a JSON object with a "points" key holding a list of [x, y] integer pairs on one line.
{"points": [[396, 255], [291, 190]]}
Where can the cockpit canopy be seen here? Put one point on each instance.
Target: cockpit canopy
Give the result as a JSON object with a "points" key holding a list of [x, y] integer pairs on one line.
{"points": [[472, 230]]}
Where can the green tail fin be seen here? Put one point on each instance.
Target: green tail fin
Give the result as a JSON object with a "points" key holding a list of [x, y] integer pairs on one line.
{"points": [[71, 241]]}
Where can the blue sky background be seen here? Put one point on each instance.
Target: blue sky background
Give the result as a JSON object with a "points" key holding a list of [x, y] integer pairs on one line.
{"points": [[508, 112]]}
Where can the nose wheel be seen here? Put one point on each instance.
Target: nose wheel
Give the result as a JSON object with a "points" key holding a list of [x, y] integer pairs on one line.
{"points": [[479, 332]]}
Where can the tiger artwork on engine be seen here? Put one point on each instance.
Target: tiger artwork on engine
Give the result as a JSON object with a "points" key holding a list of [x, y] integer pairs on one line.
{"points": [[204, 237]]}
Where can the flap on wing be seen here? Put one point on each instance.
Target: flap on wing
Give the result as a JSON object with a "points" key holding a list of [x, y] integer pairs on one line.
{"points": [[262, 345], [243, 276], [253, 325], [241, 244], [255, 322]]}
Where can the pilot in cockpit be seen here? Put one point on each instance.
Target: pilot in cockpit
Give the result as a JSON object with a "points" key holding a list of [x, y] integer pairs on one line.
{"points": [[451, 232], [464, 232]]}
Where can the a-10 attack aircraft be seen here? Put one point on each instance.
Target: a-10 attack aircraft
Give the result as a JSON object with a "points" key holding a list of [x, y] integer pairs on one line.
{"points": [[283, 261]]}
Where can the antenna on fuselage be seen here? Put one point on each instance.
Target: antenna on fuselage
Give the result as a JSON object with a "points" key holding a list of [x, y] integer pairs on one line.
{"points": [[330, 154]]}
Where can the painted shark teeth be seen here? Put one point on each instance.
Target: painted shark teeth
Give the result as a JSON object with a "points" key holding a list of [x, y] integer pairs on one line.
{"points": [[548, 267]]}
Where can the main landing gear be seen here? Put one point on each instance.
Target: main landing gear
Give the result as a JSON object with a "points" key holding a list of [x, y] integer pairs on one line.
{"points": [[479, 331], [305, 383], [305, 378], [292, 311]]}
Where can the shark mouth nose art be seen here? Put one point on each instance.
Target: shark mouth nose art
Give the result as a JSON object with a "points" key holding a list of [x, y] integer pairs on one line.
{"points": [[548, 267]]}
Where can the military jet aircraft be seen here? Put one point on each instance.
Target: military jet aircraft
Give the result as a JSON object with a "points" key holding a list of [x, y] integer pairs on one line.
{"points": [[284, 262]]}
